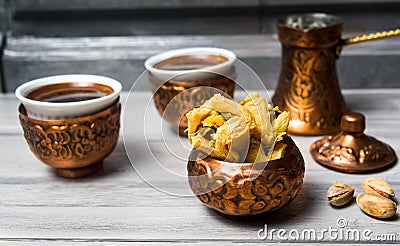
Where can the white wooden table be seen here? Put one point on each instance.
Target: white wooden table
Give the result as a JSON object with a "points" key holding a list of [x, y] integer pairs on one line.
{"points": [[116, 206]]}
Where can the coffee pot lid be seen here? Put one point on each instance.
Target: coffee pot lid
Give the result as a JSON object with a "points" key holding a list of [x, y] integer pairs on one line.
{"points": [[351, 150]]}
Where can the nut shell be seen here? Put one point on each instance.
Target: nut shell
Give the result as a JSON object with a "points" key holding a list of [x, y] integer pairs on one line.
{"points": [[340, 194], [376, 206], [377, 186]]}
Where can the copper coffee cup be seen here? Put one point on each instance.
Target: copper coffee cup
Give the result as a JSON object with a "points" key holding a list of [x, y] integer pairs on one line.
{"points": [[75, 147], [183, 79], [71, 122]]}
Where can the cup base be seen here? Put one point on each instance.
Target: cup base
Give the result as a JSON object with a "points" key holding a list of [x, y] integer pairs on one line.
{"points": [[79, 172]]}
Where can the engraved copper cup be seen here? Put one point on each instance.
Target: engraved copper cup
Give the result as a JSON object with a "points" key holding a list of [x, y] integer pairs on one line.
{"points": [[75, 147], [71, 122], [308, 85], [232, 188], [187, 78]]}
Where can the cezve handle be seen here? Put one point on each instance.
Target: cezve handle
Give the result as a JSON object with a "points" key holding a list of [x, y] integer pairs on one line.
{"points": [[365, 38]]}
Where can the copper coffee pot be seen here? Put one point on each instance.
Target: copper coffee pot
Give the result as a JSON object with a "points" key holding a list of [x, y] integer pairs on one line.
{"points": [[308, 86]]}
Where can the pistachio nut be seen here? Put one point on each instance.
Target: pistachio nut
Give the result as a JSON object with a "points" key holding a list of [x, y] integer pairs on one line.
{"points": [[377, 186], [340, 194], [376, 206]]}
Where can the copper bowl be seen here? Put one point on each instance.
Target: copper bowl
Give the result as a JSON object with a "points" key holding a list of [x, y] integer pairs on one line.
{"points": [[232, 188], [174, 98], [75, 147]]}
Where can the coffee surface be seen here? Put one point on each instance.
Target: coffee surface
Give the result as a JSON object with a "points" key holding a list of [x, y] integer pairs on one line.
{"points": [[189, 62], [69, 92]]}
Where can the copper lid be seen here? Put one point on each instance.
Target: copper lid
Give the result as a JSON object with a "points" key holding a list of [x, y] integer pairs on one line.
{"points": [[352, 151]]}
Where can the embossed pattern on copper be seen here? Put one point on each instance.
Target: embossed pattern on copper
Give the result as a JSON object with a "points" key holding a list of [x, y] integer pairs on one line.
{"points": [[230, 189], [181, 96], [73, 146], [308, 87], [351, 150]]}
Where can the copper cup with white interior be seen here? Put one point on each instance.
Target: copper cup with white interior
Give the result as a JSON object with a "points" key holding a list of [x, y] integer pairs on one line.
{"points": [[71, 122], [185, 78]]}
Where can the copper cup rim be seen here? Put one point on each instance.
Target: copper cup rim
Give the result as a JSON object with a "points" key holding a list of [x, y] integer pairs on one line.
{"points": [[89, 117], [287, 139]]}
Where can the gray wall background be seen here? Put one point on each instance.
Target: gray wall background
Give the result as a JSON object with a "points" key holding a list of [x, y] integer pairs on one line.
{"points": [[114, 37]]}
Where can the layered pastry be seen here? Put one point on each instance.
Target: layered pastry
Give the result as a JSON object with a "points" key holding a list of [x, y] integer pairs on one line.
{"points": [[248, 131]]}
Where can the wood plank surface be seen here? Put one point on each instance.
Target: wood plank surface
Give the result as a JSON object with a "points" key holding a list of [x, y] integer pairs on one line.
{"points": [[116, 206]]}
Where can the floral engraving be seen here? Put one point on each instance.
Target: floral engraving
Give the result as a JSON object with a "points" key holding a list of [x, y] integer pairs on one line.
{"points": [[72, 141], [340, 154], [235, 193]]}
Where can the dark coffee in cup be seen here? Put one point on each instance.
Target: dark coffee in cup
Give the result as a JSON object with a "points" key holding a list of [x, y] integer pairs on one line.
{"points": [[189, 62], [69, 92]]}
